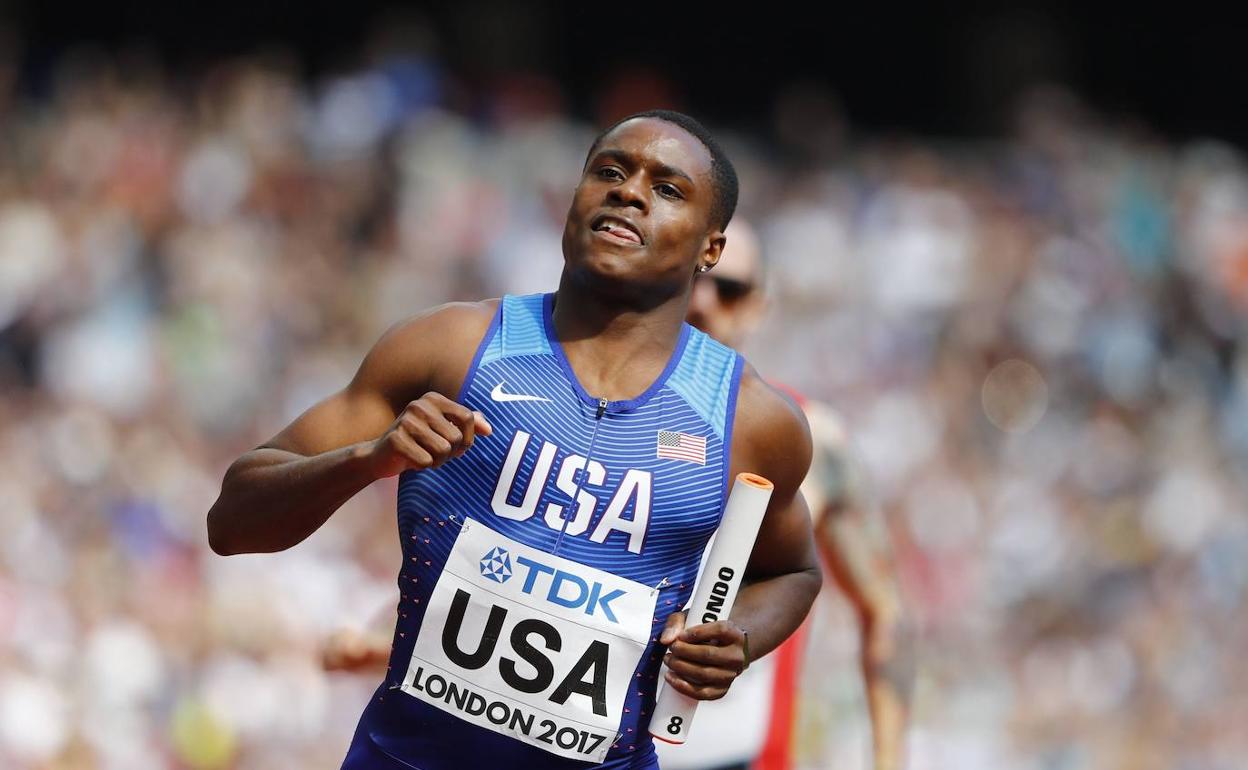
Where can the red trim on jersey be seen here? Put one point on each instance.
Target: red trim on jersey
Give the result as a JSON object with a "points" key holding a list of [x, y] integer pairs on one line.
{"points": [[777, 753]]}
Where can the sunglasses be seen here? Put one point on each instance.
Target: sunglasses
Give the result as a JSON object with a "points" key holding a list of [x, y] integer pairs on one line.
{"points": [[729, 290]]}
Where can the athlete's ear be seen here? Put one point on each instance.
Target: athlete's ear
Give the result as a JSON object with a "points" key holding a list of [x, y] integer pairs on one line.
{"points": [[712, 249]]}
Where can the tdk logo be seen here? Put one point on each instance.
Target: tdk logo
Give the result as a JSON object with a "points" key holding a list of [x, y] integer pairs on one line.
{"points": [[565, 588], [496, 565]]}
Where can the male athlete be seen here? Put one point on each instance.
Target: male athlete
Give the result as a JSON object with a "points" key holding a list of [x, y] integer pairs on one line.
{"points": [[564, 459], [729, 305]]}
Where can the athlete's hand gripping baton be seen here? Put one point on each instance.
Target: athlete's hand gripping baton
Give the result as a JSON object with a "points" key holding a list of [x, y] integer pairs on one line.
{"points": [[717, 590]]}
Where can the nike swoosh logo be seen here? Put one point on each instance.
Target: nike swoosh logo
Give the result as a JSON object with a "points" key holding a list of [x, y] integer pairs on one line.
{"points": [[498, 395]]}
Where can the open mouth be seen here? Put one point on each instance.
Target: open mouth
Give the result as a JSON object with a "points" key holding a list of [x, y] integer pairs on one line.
{"points": [[617, 229]]}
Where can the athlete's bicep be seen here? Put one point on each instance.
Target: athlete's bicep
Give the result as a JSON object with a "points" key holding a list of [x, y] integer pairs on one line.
{"points": [[785, 542], [774, 441], [422, 354], [344, 418]]}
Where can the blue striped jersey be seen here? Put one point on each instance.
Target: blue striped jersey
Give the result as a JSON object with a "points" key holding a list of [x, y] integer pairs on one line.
{"points": [[540, 567]]}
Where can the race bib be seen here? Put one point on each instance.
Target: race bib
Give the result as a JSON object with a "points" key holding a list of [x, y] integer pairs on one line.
{"points": [[530, 645]]}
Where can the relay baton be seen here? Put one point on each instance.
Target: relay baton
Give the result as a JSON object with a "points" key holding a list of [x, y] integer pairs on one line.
{"points": [[717, 590]]}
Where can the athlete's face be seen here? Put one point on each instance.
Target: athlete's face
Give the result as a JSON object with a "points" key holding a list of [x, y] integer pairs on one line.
{"points": [[640, 216]]}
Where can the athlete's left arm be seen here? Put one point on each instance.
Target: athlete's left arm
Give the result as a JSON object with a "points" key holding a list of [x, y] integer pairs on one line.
{"points": [[770, 438]]}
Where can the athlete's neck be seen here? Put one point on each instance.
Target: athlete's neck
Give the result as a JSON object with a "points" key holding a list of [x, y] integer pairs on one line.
{"points": [[616, 351]]}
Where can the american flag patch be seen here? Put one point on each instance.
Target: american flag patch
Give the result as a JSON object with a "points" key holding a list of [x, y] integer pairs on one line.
{"points": [[681, 446]]}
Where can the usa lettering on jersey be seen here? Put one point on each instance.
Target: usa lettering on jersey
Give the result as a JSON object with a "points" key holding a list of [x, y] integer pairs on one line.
{"points": [[636, 488]]}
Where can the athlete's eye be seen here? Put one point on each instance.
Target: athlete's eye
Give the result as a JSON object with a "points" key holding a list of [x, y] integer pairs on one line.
{"points": [[669, 191], [608, 172]]}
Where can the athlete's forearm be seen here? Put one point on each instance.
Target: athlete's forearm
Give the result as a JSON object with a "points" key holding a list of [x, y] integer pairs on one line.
{"points": [[273, 499], [771, 609], [888, 668]]}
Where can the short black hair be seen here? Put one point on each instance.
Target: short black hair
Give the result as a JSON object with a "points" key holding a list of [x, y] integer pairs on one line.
{"points": [[723, 175]]}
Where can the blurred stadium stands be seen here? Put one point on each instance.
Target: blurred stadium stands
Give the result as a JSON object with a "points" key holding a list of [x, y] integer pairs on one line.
{"points": [[1033, 334]]}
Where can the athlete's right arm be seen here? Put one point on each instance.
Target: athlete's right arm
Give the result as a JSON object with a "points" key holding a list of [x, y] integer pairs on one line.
{"points": [[392, 417]]}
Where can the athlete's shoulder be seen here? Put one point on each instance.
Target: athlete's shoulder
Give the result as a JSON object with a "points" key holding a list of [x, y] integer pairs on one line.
{"points": [[455, 318], [771, 429], [827, 426], [438, 327], [431, 350]]}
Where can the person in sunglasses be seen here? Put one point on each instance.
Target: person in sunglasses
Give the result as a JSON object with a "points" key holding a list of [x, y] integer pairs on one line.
{"points": [[728, 303]]}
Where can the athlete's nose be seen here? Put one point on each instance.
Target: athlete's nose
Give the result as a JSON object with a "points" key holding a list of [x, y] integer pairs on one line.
{"points": [[629, 192]]}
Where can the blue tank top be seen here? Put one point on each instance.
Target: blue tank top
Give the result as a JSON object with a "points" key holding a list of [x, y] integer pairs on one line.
{"points": [[540, 567]]}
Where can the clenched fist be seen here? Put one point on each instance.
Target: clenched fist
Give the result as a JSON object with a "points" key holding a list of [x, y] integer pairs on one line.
{"points": [[703, 660], [428, 432]]}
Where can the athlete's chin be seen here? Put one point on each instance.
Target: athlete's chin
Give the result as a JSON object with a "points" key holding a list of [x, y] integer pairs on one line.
{"points": [[614, 264], [611, 277]]}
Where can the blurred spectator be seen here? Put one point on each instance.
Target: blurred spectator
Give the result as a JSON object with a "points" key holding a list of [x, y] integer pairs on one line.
{"points": [[1035, 342]]}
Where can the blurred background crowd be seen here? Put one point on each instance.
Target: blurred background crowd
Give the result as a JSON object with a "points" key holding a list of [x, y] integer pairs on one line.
{"points": [[1033, 338]]}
